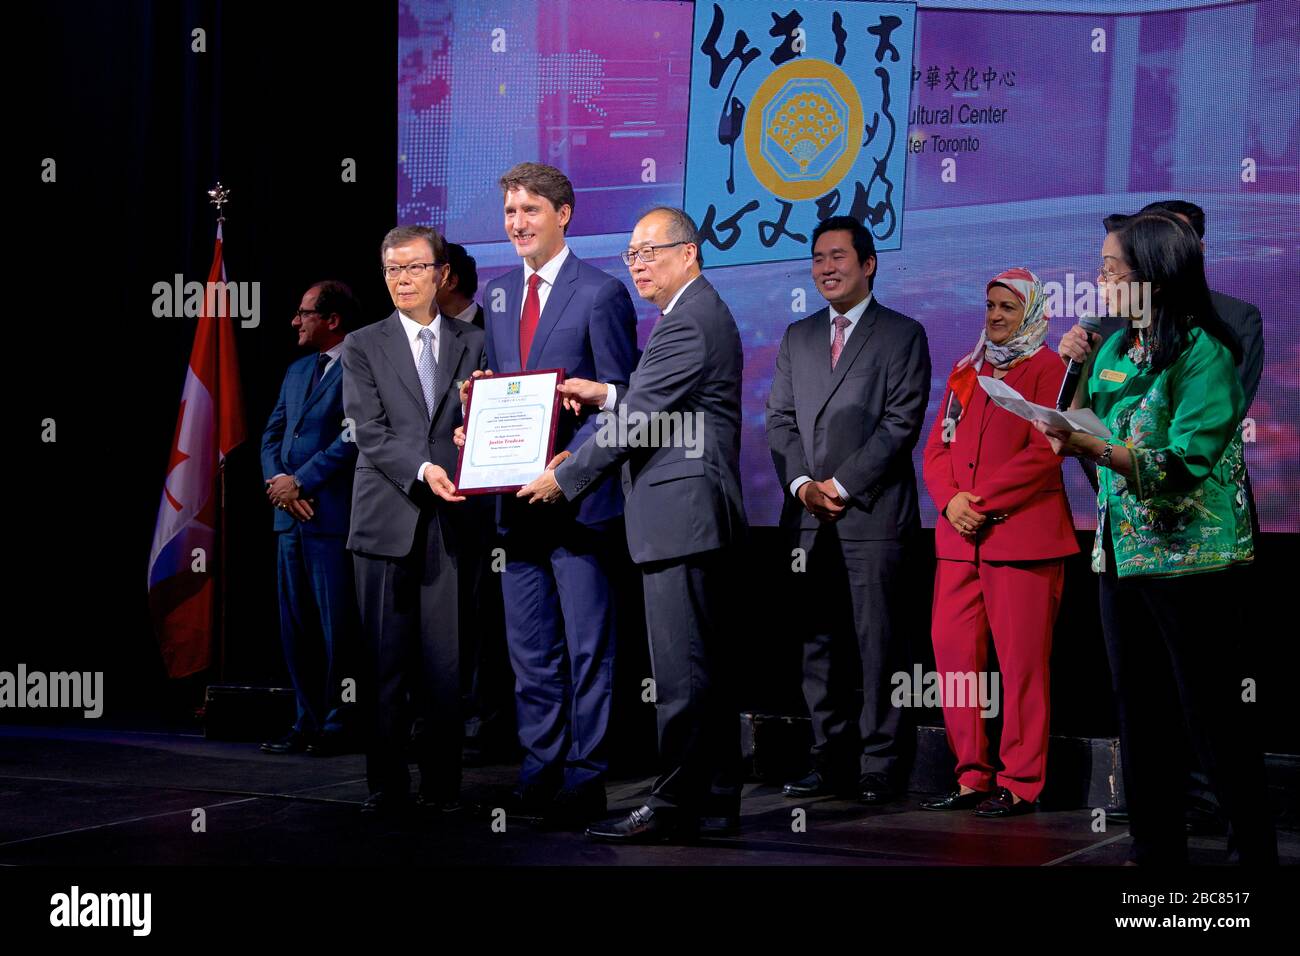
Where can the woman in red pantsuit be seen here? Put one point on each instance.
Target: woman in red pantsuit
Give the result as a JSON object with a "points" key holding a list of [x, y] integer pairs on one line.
{"points": [[1001, 541]]}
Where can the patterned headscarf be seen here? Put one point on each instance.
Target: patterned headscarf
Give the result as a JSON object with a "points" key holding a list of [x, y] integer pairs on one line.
{"points": [[1027, 339]]}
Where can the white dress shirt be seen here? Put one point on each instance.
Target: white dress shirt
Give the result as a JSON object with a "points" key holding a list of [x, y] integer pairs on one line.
{"points": [[548, 273], [468, 315], [412, 329], [334, 354], [852, 315]]}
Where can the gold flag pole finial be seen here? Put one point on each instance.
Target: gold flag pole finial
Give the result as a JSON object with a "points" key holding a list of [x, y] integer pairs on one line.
{"points": [[219, 195]]}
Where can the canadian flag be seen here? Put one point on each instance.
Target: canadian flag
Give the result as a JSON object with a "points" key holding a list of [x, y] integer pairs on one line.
{"points": [[182, 560]]}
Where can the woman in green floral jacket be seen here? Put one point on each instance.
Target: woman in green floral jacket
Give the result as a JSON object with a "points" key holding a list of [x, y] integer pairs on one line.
{"points": [[1173, 531]]}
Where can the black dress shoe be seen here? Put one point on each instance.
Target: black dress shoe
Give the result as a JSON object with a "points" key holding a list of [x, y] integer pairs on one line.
{"points": [[439, 803], [531, 802], [294, 742], [386, 804], [644, 825], [332, 744], [1200, 821], [1003, 804], [575, 809], [813, 785], [720, 815], [875, 788], [725, 824], [957, 801]]}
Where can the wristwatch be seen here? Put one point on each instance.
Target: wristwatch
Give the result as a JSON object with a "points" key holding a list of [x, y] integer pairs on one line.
{"points": [[1104, 458], [298, 484]]}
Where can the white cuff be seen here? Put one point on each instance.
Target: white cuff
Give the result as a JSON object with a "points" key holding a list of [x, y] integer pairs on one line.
{"points": [[419, 475], [611, 399], [844, 495], [797, 484]]}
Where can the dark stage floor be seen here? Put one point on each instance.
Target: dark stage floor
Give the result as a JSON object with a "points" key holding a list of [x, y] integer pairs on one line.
{"points": [[76, 798]]}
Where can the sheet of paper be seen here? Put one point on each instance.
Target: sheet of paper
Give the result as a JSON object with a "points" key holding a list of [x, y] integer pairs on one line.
{"points": [[509, 431], [1079, 419]]}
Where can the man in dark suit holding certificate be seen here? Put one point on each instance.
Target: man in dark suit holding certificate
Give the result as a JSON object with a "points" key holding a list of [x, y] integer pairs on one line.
{"points": [[400, 380], [681, 479], [846, 408], [556, 311]]}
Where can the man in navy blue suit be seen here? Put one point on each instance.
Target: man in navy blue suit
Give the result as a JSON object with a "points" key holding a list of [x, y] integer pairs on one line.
{"points": [[556, 311], [307, 463]]}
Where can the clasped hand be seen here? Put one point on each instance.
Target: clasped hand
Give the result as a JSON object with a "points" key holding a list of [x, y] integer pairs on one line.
{"points": [[822, 500], [282, 492], [965, 519]]}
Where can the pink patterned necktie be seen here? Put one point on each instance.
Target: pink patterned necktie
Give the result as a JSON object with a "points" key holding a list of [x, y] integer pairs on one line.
{"points": [[837, 344]]}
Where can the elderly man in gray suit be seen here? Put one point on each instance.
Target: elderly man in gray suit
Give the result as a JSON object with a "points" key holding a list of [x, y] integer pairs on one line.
{"points": [[846, 408], [400, 390], [676, 433]]}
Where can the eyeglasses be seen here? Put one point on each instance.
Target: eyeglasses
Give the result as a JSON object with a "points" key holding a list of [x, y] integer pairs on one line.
{"points": [[415, 269], [301, 312], [647, 253], [1103, 272]]}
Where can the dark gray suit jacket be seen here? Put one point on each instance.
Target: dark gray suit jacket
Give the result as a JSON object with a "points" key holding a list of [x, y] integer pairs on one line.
{"points": [[677, 504], [857, 424], [382, 396]]}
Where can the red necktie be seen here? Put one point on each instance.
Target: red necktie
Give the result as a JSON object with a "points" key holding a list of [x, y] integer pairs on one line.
{"points": [[528, 323]]}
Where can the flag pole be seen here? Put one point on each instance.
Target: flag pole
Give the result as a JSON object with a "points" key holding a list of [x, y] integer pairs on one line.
{"points": [[218, 196]]}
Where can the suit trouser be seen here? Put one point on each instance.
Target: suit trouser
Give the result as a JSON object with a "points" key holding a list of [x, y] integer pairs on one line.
{"points": [[850, 591], [487, 685], [690, 623], [1177, 670], [410, 614], [318, 625], [560, 634], [1017, 602]]}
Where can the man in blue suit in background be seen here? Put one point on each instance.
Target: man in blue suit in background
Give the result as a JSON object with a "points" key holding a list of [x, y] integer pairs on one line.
{"points": [[307, 465], [556, 311]]}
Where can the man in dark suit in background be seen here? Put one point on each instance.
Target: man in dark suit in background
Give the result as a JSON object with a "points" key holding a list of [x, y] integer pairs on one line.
{"points": [[400, 389], [456, 295], [1243, 318], [307, 465], [684, 515], [846, 408], [556, 311]]}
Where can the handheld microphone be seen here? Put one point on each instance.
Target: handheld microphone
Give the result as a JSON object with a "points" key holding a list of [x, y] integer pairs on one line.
{"points": [[1073, 370]]}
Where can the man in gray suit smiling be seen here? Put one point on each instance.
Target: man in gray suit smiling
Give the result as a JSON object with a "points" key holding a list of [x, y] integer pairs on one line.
{"points": [[846, 408], [400, 389], [678, 442]]}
